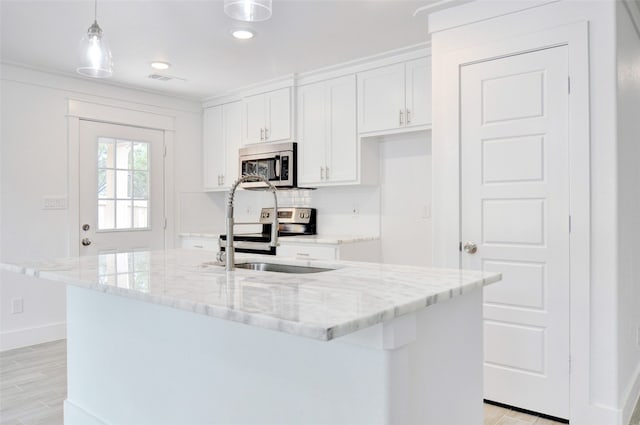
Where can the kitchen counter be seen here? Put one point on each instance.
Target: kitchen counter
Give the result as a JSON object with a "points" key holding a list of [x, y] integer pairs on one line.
{"points": [[321, 306], [170, 337]]}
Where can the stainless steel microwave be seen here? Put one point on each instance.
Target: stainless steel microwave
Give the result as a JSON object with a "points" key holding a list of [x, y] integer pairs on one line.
{"points": [[277, 162]]}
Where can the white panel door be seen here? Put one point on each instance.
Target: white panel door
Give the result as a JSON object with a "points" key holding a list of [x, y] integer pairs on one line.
{"points": [[418, 80], [254, 119], [232, 124], [278, 119], [312, 125], [515, 208], [342, 144], [121, 188], [381, 98], [213, 148]]}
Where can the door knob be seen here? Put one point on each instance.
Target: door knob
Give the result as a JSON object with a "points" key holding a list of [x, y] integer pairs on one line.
{"points": [[86, 241], [470, 248]]}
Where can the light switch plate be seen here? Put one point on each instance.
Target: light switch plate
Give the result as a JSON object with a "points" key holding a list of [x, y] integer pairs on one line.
{"points": [[54, 203]]}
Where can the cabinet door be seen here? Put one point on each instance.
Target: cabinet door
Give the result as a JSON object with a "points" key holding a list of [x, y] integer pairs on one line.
{"points": [[254, 121], [278, 115], [213, 148], [232, 119], [381, 98], [312, 127], [342, 140], [418, 80]]}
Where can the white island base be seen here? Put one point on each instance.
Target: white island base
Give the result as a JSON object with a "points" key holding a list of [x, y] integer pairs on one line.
{"points": [[133, 362]]}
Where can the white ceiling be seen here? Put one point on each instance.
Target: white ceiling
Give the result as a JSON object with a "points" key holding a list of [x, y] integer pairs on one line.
{"points": [[302, 35]]}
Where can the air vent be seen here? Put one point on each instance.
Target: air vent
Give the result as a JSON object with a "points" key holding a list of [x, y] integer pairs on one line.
{"points": [[160, 77]]}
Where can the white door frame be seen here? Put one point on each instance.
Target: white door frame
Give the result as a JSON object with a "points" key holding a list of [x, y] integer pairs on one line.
{"points": [[91, 111], [446, 251]]}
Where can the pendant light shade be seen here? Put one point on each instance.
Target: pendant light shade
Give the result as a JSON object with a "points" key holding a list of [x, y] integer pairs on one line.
{"points": [[95, 55], [248, 10]]}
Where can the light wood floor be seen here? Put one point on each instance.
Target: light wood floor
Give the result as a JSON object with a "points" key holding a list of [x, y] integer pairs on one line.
{"points": [[33, 385]]}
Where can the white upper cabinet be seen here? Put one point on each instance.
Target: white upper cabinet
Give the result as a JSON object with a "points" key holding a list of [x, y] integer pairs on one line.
{"points": [[327, 137], [222, 136], [267, 116], [395, 97]]}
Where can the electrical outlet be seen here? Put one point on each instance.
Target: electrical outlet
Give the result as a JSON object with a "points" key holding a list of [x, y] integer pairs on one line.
{"points": [[17, 305]]}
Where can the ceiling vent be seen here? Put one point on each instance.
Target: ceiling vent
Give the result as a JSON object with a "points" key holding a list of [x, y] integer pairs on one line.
{"points": [[160, 77]]}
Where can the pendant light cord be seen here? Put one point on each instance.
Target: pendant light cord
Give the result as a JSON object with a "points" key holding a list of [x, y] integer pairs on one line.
{"points": [[95, 11]]}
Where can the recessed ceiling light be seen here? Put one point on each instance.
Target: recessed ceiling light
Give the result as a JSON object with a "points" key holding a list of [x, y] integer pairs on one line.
{"points": [[242, 34], [160, 65]]}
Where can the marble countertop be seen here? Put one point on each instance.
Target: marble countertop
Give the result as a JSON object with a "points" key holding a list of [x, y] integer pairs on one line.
{"points": [[321, 306], [302, 239]]}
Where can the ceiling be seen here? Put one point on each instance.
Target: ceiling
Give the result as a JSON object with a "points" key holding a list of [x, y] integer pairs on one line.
{"points": [[194, 37]]}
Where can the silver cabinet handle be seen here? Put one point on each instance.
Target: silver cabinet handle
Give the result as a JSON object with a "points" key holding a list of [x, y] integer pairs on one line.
{"points": [[221, 179], [321, 173], [266, 135], [401, 117], [262, 134], [408, 116], [86, 241], [470, 248], [326, 172]]}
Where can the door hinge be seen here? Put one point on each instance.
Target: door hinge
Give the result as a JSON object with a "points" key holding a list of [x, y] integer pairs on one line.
{"points": [[569, 85], [460, 246]]}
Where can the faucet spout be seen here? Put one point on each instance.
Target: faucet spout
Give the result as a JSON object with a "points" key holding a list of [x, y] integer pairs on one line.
{"points": [[230, 257]]}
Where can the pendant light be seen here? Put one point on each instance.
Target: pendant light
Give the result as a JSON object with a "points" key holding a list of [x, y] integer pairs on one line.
{"points": [[95, 55], [248, 10]]}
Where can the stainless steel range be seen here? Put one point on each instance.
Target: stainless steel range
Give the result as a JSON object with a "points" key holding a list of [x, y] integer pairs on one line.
{"points": [[292, 221]]}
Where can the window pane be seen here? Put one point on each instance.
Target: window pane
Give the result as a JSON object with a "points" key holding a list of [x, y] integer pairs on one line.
{"points": [[123, 154], [106, 152], [123, 214], [106, 184], [140, 155], [141, 184], [140, 214], [106, 215], [123, 281], [123, 184]]}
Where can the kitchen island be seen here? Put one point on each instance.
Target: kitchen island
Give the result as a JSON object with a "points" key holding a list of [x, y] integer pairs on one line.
{"points": [[170, 337]]}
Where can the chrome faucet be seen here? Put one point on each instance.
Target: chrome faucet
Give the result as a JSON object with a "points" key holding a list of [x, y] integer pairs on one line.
{"points": [[228, 256]]}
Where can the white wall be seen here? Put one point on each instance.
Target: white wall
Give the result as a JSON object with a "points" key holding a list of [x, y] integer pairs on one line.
{"points": [[628, 114], [34, 165], [405, 199], [596, 399]]}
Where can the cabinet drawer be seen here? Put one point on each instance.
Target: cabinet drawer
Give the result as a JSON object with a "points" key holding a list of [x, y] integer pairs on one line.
{"points": [[312, 251], [207, 244]]}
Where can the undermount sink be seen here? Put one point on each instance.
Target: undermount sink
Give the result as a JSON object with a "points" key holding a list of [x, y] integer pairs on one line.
{"points": [[281, 268]]}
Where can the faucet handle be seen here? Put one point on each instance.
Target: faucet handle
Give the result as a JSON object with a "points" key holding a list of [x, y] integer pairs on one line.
{"points": [[221, 256]]}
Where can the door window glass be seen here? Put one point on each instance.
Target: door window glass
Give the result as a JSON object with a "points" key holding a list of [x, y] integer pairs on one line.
{"points": [[123, 184]]}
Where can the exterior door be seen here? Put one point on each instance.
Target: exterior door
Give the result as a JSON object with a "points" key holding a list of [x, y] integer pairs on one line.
{"points": [[515, 210], [121, 188]]}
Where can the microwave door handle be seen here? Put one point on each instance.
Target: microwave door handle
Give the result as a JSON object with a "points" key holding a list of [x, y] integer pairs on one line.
{"points": [[277, 168]]}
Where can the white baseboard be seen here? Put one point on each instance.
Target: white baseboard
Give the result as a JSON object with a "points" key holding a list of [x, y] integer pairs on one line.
{"points": [[76, 415], [31, 336], [632, 395]]}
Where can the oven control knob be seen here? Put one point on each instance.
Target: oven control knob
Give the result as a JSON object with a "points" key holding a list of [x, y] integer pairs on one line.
{"points": [[301, 215]]}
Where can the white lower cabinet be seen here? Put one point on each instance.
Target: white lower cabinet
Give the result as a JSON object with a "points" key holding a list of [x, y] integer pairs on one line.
{"points": [[368, 250], [222, 137], [207, 243], [327, 135]]}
